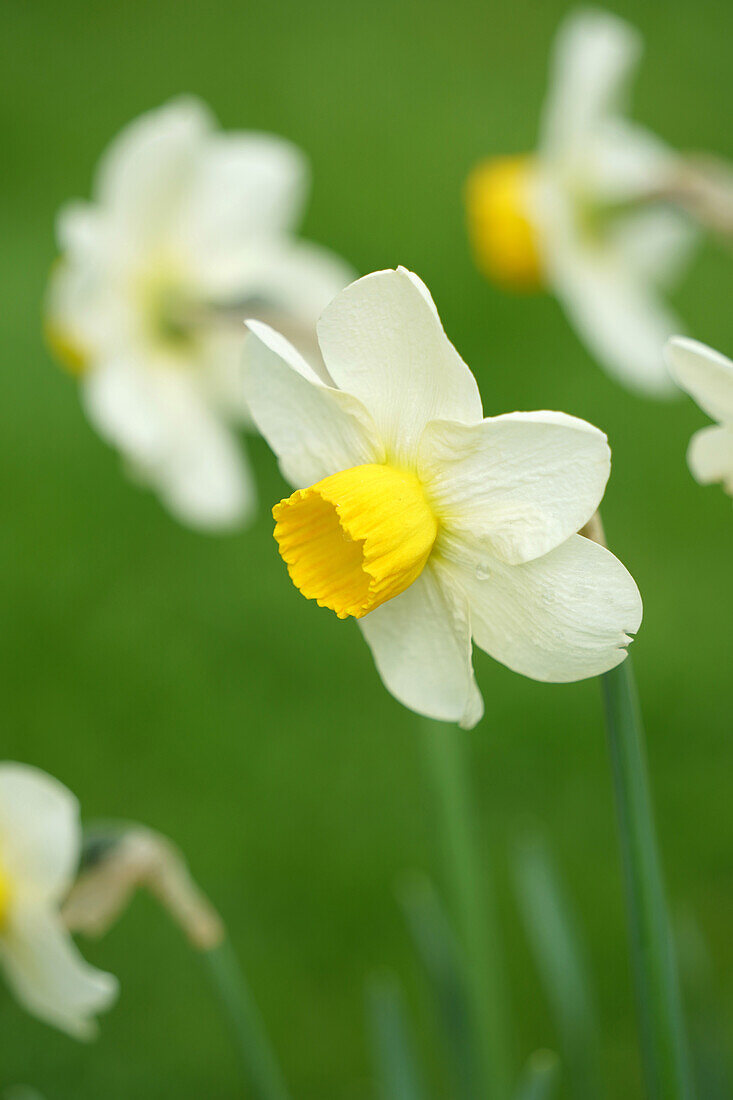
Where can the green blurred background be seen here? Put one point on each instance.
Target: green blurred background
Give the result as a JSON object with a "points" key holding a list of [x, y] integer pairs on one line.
{"points": [[181, 681]]}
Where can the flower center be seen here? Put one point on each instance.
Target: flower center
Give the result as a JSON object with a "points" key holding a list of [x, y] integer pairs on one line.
{"points": [[500, 225], [357, 538], [170, 316]]}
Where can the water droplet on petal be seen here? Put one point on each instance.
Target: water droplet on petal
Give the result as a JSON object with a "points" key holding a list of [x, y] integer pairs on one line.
{"points": [[482, 571]]}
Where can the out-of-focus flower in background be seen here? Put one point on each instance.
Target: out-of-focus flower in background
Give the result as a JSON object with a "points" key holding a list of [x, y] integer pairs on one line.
{"points": [[708, 377], [40, 842], [118, 861], [428, 523], [189, 231], [592, 214]]}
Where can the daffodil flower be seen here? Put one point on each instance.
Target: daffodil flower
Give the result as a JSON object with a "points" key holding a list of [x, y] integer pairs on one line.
{"points": [[40, 843], [587, 215], [189, 231], [708, 377], [424, 521]]}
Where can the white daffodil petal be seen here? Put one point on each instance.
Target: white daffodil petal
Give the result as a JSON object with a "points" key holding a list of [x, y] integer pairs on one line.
{"points": [[40, 831], [205, 479], [422, 288], [382, 341], [145, 172], [705, 374], [563, 617], [71, 298], [595, 53], [302, 278], [710, 456], [623, 161], [620, 317], [49, 976], [123, 399], [245, 186], [292, 279], [161, 422], [222, 376], [520, 483], [314, 430], [421, 644], [87, 306], [81, 231], [655, 242]]}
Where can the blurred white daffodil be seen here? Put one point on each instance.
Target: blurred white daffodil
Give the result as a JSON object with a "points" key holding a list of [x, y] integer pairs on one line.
{"points": [[426, 522], [40, 843], [708, 377], [589, 215], [190, 230]]}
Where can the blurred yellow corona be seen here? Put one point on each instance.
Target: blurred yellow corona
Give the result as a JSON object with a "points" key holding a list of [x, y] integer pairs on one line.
{"points": [[4, 899], [64, 348], [503, 237], [357, 538]]}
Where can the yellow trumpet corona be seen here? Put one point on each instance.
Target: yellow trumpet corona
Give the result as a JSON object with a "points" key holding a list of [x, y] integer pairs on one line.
{"points": [[356, 539], [501, 230]]}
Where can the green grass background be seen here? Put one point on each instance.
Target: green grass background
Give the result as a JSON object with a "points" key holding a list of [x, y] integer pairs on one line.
{"points": [[180, 680]]}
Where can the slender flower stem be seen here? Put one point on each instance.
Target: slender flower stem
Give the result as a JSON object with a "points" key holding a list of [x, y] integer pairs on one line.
{"points": [[261, 1069], [468, 875], [664, 1048]]}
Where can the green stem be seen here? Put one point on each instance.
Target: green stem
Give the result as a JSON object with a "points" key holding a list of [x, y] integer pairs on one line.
{"points": [[468, 878], [664, 1048], [258, 1059]]}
